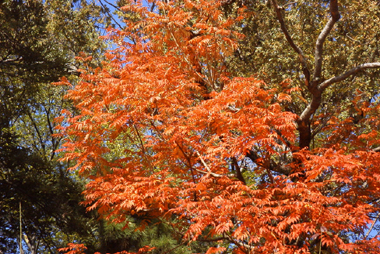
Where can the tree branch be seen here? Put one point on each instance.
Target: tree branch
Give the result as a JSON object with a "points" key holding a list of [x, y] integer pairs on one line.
{"points": [[313, 105], [273, 166], [345, 75], [335, 16], [302, 57], [239, 175], [207, 167], [110, 14], [373, 224], [240, 244]]}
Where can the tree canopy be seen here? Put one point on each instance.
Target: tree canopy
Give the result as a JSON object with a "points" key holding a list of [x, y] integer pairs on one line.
{"points": [[251, 126], [35, 51]]}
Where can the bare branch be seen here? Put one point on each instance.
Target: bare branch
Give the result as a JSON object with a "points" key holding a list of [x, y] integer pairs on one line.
{"points": [[213, 239], [373, 224], [114, 6], [345, 75], [335, 16], [247, 246], [203, 162], [11, 61], [110, 14], [207, 167], [301, 55], [188, 159]]}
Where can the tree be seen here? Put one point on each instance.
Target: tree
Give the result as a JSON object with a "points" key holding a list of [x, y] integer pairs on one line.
{"points": [[289, 165], [35, 51]]}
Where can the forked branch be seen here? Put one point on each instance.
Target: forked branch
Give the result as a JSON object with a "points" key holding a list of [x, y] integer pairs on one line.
{"points": [[207, 167]]}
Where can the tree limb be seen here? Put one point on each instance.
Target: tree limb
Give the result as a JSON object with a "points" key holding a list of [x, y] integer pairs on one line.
{"points": [[273, 166], [313, 105], [345, 75], [301, 55], [335, 16]]}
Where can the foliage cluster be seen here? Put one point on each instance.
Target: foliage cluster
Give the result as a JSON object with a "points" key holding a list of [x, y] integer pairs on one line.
{"points": [[178, 126]]}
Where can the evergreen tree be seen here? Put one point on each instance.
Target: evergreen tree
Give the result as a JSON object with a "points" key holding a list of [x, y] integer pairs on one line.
{"points": [[38, 42]]}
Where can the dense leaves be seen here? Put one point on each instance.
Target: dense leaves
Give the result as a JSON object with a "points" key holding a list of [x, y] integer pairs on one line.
{"points": [[221, 156], [35, 51]]}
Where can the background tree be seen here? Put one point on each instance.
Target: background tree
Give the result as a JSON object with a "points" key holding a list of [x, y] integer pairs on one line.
{"points": [[304, 44], [286, 166], [34, 51]]}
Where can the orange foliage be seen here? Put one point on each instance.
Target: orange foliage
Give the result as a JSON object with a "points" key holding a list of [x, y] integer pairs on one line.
{"points": [[74, 248], [205, 147]]}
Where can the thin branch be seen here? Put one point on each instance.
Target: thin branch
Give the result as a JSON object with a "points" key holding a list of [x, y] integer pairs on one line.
{"points": [[270, 175], [273, 166], [172, 249], [213, 239], [283, 139], [110, 14], [114, 6], [207, 167], [40, 138], [142, 145], [301, 55], [373, 224], [345, 75], [153, 6], [188, 161], [335, 16], [11, 61], [240, 244], [203, 162], [139, 138], [51, 129]]}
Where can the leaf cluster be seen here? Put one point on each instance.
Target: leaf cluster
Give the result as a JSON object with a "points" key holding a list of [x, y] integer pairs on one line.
{"points": [[279, 162]]}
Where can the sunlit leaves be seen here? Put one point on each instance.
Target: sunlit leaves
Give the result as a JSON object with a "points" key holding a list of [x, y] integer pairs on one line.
{"points": [[166, 131]]}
